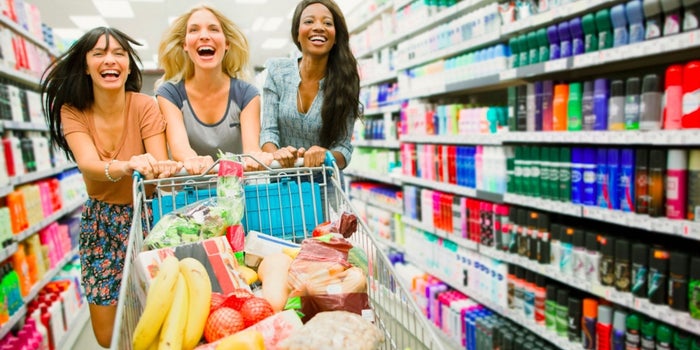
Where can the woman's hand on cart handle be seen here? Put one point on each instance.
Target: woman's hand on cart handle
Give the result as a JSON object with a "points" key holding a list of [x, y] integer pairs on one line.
{"points": [[198, 165], [316, 156]]}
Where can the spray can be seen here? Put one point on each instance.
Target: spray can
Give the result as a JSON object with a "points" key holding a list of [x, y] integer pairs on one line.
{"points": [[657, 181], [607, 260], [694, 288], [641, 181], [694, 185], [658, 277], [633, 340], [640, 262], [588, 327], [676, 180], [622, 265], [616, 106], [651, 103], [678, 281]]}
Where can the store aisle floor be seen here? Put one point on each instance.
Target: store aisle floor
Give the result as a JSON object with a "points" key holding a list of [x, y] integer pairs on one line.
{"points": [[86, 340]]}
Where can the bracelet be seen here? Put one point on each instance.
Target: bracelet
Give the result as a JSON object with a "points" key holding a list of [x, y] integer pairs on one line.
{"points": [[109, 177]]}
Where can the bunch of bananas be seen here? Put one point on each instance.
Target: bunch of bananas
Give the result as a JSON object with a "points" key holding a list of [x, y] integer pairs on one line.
{"points": [[177, 306]]}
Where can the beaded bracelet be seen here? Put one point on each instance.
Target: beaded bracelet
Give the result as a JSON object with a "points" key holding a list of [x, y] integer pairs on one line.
{"points": [[109, 177]]}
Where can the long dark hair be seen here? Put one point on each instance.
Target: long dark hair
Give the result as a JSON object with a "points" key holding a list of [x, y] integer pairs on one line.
{"points": [[341, 93], [64, 81]]}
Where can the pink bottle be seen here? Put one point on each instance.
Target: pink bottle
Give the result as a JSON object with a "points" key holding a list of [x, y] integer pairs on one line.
{"points": [[676, 183]]}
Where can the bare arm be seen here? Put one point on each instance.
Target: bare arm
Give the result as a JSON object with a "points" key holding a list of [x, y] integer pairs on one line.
{"points": [[177, 140]]}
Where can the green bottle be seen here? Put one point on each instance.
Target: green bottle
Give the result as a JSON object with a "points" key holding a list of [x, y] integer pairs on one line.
{"points": [[604, 26], [664, 337], [573, 109], [695, 344], [545, 168], [514, 52], [518, 170], [694, 288], [543, 42], [590, 33], [554, 172], [535, 171], [533, 44], [632, 335], [565, 174], [648, 335], [524, 50], [681, 341]]}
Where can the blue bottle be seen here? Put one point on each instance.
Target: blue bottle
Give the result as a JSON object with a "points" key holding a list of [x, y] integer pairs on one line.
{"points": [[578, 43], [613, 178], [602, 178], [601, 95], [619, 23], [576, 174], [635, 18], [554, 47], [626, 187], [564, 39], [589, 195]]}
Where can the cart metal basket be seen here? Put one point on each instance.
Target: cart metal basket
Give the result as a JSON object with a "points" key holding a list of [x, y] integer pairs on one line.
{"points": [[286, 203]]}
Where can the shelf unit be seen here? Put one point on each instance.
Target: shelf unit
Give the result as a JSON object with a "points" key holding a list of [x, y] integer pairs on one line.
{"points": [[656, 52], [31, 81]]}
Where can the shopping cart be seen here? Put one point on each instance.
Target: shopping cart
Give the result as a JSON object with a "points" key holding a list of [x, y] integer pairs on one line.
{"points": [[286, 203]]}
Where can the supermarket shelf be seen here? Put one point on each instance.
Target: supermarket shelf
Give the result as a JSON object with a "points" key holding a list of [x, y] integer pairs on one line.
{"points": [[19, 77], [27, 35], [384, 178], [14, 319], [67, 208], [392, 108], [543, 204], [390, 244], [5, 190], [398, 4], [463, 242], [50, 275], [388, 76], [466, 139], [447, 343], [554, 14], [7, 252], [75, 328], [368, 18], [384, 206], [630, 137], [390, 144], [456, 189], [38, 175], [468, 45], [13, 125], [539, 330]]}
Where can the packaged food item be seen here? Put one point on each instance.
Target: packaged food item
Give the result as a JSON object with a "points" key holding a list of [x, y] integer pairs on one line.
{"points": [[334, 330]]}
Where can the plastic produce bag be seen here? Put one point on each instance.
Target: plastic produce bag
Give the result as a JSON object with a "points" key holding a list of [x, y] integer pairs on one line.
{"points": [[205, 218], [334, 330]]}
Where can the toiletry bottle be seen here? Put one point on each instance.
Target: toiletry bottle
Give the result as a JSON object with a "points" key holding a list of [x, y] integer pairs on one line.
{"points": [[567, 247], [592, 258], [691, 12], [651, 103], [635, 18], [691, 89], [641, 182], [578, 254], [632, 337], [676, 181], [575, 317], [657, 285], [510, 281], [534, 48], [619, 330], [574, 108], [577, 38], [543, 239], [604, 26], [547, 104], [590, 32], [613, 178], [648, 334], [694, 288], [619, 23], [562, 325], [589, 194], [565, 174], [555, 246], [524, 50], [657, 181], [694, 185], [672, 16], [616, 106], [673, 97], [588, 324], [602, 178], [539, 94], [540, 298], [622, 265], [576, 174], [681, 340], [640, 268], [560, 102], [564, 39], [550, 308], [626, 186], [604, 327], [664, 336], [653, 20], [587, 102], [514, 46], [678, 281], [554, 47], [607, 260], [529, 296], [632, 100], [543, 42], [601, 97]]}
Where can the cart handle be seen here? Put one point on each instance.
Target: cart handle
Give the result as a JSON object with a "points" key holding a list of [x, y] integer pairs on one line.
{"points": [[137, 176]]}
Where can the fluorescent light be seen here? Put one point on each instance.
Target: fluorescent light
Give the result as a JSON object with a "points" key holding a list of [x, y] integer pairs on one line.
{"points": [[88, 22], [274, 43], [114, 8], [68, 34]]}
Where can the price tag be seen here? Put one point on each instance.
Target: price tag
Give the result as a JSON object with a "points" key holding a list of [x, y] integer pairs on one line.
{"points": [[555, 65], [692, 38], [691, 229], [688, 323]]}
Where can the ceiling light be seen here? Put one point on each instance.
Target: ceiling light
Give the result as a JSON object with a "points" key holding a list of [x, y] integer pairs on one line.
{"points": [[274, 43], [68, 34], [88, 22], [114, 8]]}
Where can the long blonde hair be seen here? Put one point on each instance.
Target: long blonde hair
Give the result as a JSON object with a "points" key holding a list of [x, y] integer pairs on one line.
{"points": [[178, 66]]}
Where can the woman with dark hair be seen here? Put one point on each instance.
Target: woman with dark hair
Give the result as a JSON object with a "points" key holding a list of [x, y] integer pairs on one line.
{"points": [[98, 118], [310, 103]]}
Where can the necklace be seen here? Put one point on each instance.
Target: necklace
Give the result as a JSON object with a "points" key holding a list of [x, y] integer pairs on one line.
{"points": [[301, 103]]}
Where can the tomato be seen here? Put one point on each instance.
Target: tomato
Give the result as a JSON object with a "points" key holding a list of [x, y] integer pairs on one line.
{"points": [[254, 310], [223, 322]]}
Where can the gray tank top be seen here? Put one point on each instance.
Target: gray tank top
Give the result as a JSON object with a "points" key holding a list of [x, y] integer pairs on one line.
{"points": [[224, 135]]}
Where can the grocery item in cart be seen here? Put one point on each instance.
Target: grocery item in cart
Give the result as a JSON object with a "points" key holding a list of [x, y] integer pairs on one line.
{"points": [[335, 330], [274, 330]]}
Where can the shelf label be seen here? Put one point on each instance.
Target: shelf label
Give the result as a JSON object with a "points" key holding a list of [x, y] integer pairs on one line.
{"points": [[508, 74], [555, 65]]}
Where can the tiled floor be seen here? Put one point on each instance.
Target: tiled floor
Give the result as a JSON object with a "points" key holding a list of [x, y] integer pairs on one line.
{"points": [[86, 340]]}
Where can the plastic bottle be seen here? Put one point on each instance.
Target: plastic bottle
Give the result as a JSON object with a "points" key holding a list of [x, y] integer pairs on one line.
{"points": [[691, 12], [622, 265], [657, 181], [678, 281], [560, 102], [672, 16], [554, 46], [566, 265], [604, 327], [543, 43], [694, 185], [673, 94], [604, 26], [574, 108], [676, 181], [578, 254], [651, 103], [640, 268], [653, 19], [632, 103], [590, 32], [588, 327], [681, 341], [657, 284], [614, 178], [601, 95], [633, 339], [577, 39], [616, 106], [627, 185], [534, 47], [587, 102], [564, 39], [691, 94], [635, 18], [619, 23], [592, 258]]}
